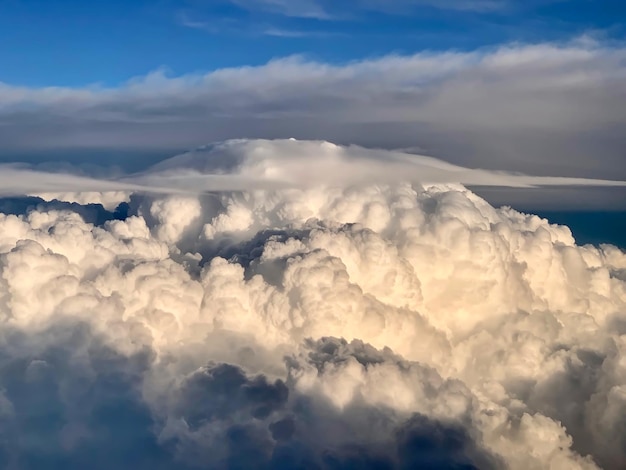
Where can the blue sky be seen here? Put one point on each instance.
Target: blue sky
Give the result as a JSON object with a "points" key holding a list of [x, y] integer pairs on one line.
{"points": [[74, 42], [199, 199]]}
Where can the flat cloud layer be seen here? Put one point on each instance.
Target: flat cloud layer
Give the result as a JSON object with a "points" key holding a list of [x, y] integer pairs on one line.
{"points": [[263, 164], [365, 325], [546, 109]]}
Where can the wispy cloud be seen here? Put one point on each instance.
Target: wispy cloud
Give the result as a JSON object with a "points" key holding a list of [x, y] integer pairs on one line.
{"points": [[293, 8], [329, 10], [233, 26], [184, 19], [461, 5], [244, 165], [334, 10], [294, 33]]}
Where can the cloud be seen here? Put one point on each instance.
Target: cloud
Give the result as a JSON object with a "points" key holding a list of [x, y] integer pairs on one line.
{"points": [[481, 6], [236, 26], [264, 164], [543, 109], [294, 33], [326, 10], [375, 325], [297, 8], [311, 18], [188, 22], [70, 401], [310, 163]]}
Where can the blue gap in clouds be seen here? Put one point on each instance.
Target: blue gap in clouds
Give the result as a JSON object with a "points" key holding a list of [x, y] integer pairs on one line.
{"points": [[593, 227], [91, 213]]}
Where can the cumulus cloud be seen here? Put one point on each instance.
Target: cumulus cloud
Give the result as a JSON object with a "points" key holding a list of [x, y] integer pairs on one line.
{"points": [[363, 325]]}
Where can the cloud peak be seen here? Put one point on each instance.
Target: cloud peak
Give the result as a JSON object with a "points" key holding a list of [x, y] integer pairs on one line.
{"points": [[243, 164], [388, 325]]}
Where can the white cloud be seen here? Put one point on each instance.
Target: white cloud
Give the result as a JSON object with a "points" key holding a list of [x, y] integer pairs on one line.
{"points": [[208, 328], [269, 164], [295, 8], [481, 6], [328, 10]]}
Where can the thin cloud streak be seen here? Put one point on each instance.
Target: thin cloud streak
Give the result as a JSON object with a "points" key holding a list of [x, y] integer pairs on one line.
{"points": [[292, 33], [232, 26], [246, 165], [328, 10], [294, 8]]}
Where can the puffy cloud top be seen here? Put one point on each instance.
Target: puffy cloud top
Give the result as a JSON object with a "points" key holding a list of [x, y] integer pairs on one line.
{"points": [[363, 325]]}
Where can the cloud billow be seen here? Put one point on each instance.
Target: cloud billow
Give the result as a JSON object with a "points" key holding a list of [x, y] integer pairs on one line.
{"points": [[367, 324]]}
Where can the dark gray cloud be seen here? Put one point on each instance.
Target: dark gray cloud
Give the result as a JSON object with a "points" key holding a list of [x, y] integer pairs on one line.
{"points": [[69, 401], [236, 420]]}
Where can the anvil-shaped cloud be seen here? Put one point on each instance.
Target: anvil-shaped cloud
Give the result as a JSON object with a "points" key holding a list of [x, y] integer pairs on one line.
{"points": [[274, 164], [303, 323]]}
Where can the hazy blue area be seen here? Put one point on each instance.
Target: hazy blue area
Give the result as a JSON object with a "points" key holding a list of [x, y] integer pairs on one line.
{"points": [[592, 227]]}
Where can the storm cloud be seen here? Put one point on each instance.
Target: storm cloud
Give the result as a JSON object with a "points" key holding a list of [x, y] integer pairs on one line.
{"points": [[362, 325]]}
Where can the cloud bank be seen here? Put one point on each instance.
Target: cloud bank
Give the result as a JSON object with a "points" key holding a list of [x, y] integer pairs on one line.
{"points": [[266, 164], [545, 109], [364, 325]]}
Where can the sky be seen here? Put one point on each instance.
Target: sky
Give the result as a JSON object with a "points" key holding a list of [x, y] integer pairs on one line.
{"points": [[532, 87], [312, 234], [74, 43]]}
